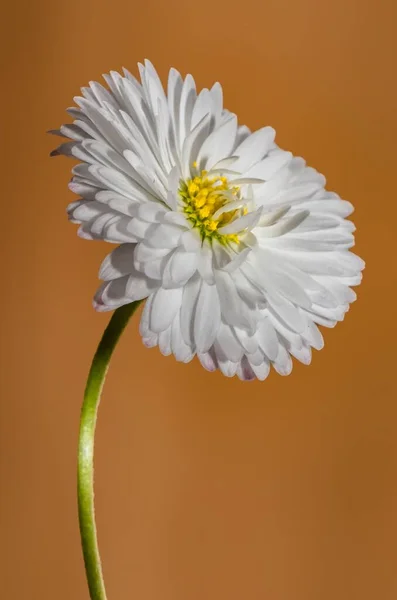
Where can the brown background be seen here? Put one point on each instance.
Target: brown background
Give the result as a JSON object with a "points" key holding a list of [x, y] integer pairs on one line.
{"points": [[207, 488]]}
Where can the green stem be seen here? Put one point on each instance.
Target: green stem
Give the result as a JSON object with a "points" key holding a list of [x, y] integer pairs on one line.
{"points": [[85, 483]]}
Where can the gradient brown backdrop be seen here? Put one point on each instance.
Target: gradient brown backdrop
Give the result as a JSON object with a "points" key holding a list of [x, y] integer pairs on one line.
{"points": [[207, 488]]}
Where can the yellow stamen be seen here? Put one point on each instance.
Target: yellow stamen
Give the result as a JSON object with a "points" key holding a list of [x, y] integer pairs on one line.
{"points": [[202, 197], [204, 212], [211, 225], [200, 201], [193, 188]]}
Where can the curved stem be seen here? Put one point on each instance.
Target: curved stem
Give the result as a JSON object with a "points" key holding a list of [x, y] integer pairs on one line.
{"points": [[85, 485]]}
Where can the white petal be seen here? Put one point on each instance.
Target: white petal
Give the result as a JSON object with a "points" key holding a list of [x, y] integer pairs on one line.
{"points": [[224, 163], [153, 268], [244, 370], [204, 264], [283, 226], [317, 223], [165, 236], [104, 124], [280, 269], [227, 367], [222, 254], [248, 221], [192, 144], [82, 211], [242, 133], [217, 102], [254, 148], [339, 290], [188, 98], [233, 309], [208, 361], [188, 309], [342, 264], [150, 340], [180, 349], [334, 207], [287, 312], [176, 218], [165, 305], [71, 131], [144, 322], [175, 84], [268, 339], [248, 342], [180, 268], [207, 318], [251, 294], [109, 227], [269, 218], [165, 342], [202, 107], [142, 176], [218, 144], [256, 358], [283, 363], [296, 244], [269, 166], [311, 332], [118, 202], [191, 240], [152, 212], [332, 314], [66, 149], [140, 229], [118, 263], [284, 332], [139, 286], [229, 206], [84, 189], [144, 253], [261, 371], [245, 180], [237, 260], [227, 342], [275, 283], [283, 284], [112, 294], [304, 354], [173, 185], [154, 86]]}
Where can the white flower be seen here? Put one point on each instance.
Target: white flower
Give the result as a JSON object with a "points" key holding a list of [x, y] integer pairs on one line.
{"points": [[234, 242]]}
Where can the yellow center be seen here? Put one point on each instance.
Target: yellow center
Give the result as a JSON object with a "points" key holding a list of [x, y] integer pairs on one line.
{"points": [[203, 196]]}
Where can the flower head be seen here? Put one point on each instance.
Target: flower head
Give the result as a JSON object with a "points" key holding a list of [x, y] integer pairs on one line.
{"points": [[235, 243]]}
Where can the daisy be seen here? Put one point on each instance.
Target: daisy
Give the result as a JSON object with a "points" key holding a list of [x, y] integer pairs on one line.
{"points": [[234, 243]]}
